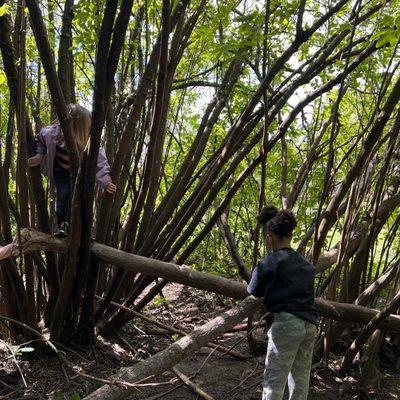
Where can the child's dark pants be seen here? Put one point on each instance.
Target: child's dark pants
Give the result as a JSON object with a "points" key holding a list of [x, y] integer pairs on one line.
{"points": [[63, 195]]}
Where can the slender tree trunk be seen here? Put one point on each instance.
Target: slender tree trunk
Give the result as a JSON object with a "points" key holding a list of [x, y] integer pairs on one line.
{"points": [[65, 60]]}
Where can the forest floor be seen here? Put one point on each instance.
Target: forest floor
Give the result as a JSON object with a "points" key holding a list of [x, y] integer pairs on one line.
{"points": [[220, 375]]}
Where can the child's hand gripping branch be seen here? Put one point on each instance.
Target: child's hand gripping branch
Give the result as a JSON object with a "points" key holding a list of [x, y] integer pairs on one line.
{"points": [[111, 188], [6, 251], [35, 160]]}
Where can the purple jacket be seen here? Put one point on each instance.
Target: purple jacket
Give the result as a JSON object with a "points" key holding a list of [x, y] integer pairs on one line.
{"points": [[47, 140]]}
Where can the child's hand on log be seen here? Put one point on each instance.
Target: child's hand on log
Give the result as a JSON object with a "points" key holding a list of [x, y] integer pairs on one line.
{"points": [[111, 188], [35, 160], [6, 251]]}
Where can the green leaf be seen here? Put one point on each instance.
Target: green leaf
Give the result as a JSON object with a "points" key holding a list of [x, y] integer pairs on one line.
{"points": [[397, 22], [159, 300], [75, 396], [387, 36], [4, 9], [27, 349], [16, 350], [59, 395]]}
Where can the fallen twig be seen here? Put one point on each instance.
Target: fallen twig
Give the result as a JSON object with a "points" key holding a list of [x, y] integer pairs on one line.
{"points": [[191, 385]]}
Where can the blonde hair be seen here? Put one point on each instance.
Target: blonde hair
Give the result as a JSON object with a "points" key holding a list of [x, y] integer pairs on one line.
{"points": [[81, 120]]}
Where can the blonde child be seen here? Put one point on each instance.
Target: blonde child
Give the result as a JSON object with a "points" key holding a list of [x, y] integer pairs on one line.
{"points": [[52, 155]]}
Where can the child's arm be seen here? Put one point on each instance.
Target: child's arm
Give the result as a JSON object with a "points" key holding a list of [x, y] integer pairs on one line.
{"points": [[35, 160], [260, 279], [41, 150], [103, 178], [6, 251]]}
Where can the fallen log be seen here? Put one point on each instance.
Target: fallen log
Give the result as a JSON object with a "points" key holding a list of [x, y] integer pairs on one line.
{"points": [[176, 352], [33, 241]]}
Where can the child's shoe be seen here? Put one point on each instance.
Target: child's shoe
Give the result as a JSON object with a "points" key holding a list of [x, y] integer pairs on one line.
{"points": [[62, 231]]}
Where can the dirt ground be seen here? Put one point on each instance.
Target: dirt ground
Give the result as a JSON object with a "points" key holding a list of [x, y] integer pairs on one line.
{"points": [[221, 376]]}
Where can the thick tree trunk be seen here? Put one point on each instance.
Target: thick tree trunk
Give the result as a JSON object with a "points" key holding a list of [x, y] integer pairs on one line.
{"points": [[369, 370]]}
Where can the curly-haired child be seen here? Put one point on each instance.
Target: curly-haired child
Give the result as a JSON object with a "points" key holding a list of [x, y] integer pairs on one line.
{"points": [[285, 279]]}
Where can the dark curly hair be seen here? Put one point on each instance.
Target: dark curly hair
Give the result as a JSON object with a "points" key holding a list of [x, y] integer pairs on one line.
{"points": [[279, 222], [266, 214]]}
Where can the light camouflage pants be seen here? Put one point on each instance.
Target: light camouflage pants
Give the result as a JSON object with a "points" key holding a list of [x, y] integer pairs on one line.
{"points": [[290, 349]]}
